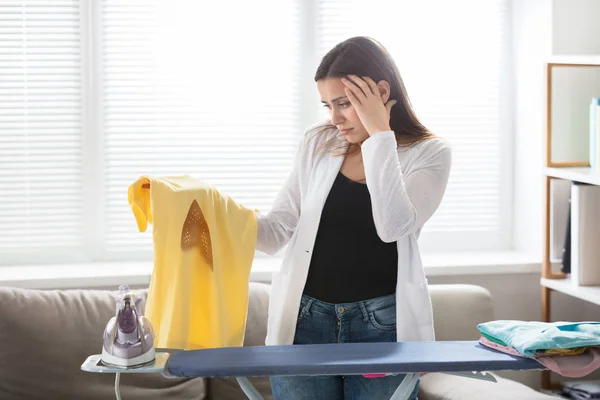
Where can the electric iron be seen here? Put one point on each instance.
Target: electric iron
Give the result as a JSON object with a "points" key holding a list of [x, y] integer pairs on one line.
{"points": [[128, 336]]}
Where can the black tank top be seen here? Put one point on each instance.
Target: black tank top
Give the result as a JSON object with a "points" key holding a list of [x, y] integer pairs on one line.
{"points": [[350, 262]]}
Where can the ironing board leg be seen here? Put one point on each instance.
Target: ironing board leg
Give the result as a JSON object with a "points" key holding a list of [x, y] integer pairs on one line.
{"points": [[249, 389], [406, 387]]}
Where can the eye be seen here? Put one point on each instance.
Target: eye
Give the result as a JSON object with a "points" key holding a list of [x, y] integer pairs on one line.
{"points": [[344, 105]]}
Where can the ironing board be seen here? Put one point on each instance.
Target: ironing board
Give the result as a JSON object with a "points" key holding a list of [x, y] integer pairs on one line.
{"points": [[465, 358]]}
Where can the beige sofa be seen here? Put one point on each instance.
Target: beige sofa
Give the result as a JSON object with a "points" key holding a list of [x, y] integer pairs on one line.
{"points": [[45, 335]]}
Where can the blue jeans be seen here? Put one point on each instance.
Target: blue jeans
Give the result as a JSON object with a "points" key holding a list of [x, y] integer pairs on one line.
{"points": [[371, 320]]}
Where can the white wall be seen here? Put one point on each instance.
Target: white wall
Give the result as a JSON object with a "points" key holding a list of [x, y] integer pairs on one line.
{"points": [[576, 27], [531, 35]]}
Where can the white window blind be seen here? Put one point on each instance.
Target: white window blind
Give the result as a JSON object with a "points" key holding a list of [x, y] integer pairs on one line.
{"points": [[190, 87], [90, 99], [40, 131], [453, 58]]}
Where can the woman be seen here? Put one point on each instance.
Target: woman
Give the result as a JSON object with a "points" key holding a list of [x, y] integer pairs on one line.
{"points": [[361, 189]]}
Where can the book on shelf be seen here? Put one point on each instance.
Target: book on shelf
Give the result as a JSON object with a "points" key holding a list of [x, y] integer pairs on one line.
{"points": [[595, 133], [585, 234], [560, 191], [566, 251]]}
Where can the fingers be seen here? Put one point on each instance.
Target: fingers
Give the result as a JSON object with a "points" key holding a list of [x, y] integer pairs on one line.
{"points": [[358, 93], [364, 86], [372, 84], [358, 90], [351, 96], [389, 105]]}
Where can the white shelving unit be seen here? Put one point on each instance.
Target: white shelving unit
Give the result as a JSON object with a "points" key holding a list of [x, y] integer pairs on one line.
{"points": [[585, 175], [587, 293], [575, 60], [570, 82]]}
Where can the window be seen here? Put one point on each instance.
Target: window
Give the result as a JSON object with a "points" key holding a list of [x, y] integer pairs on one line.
{"points": [[41, 141], [95, 94], [184, 93]]}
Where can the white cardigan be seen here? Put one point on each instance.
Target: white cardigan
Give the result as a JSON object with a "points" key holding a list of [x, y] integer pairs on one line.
{"points": [[406, 187]]}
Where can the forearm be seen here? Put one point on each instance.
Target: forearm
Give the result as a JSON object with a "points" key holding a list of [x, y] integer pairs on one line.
{"points": [[276, 227], [402, 203], [274, 230]]}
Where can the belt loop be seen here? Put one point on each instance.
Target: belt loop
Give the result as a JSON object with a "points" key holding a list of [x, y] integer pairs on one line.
{"points": [[309, 304], [363, 308], [306, 308]]}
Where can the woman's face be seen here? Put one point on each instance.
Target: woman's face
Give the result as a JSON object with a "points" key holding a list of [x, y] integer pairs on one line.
{"points": [[343, 115]]}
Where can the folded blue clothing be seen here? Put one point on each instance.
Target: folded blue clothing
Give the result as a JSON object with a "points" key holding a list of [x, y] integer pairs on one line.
{"points": [[529, 337]]}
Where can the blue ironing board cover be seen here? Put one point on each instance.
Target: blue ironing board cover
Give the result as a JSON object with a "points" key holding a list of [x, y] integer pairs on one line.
{"points": [[344, 359]]}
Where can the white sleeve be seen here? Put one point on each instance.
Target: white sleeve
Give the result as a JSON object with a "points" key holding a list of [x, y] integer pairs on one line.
{"points": [[276, 227], [402, 203]]}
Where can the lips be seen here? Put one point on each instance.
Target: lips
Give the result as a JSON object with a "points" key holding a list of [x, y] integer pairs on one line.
{"points": [[345, 131]]}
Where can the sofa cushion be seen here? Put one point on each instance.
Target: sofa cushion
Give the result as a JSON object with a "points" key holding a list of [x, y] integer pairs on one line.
{"points": [[450, 387], [458, 308], [256, 333], [45, 335]]}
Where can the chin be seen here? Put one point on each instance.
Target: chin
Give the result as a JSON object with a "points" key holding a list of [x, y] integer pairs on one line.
{"points": [[354, 139]]}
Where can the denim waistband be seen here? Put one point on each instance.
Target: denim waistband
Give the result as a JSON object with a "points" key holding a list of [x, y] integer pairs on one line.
{"points": [[364, 306]]}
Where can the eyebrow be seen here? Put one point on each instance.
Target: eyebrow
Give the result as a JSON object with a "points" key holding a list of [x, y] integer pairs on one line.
{"points": [[334, 100]]}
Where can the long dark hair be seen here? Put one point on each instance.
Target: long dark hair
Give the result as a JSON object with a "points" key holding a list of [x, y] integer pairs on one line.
{"points": [[364, 56]]}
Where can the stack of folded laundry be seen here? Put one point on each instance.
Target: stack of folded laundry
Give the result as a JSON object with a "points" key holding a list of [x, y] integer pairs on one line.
{"points": [[571, 349]]}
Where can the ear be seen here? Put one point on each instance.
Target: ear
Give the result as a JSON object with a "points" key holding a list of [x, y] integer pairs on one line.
{"points": [[384, 90]]}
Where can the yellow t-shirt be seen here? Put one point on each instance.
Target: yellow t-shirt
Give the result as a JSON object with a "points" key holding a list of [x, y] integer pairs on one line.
{"points": [[204, 244]]}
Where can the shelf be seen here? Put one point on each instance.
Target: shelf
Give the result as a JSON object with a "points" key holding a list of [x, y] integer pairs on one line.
{"points": [[588, 293], [585, 175], [575, 60]]}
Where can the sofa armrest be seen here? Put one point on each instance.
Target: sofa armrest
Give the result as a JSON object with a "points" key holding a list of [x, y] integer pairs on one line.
{"points": [[458, 308], [45, 335]]}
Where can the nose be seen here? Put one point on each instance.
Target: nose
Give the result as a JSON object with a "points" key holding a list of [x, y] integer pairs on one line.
{"points": [[336, 117]]}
